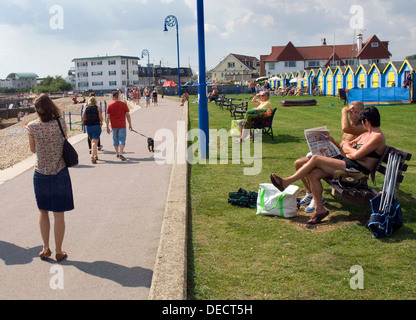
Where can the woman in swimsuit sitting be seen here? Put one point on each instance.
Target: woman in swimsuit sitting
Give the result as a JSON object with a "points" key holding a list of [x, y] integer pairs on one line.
{"points": [[361, 153]]}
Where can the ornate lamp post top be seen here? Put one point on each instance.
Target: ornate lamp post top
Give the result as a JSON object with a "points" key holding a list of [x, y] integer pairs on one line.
{"points": [[145, 53], [170, 21]]}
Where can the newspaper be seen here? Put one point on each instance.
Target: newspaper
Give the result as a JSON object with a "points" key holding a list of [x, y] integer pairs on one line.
{"points": [[317, 139]]}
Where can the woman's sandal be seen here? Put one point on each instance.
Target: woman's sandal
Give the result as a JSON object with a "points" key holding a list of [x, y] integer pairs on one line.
{"points": [[317, 218], [93, 160], [61, 256], [279, 183], [46, 253]]}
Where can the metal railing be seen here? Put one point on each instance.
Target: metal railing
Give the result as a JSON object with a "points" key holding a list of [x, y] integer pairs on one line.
{"points": [[75, 119]]}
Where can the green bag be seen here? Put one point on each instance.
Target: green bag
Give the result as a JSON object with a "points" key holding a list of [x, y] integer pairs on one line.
{"points": [[256, 111], [243, 198]]}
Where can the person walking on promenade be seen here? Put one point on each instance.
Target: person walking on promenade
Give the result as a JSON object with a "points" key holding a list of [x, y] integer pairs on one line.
{"points": [[147, 96], [51, 179], [94, 121], [154, 97], [100, 147], [117, 113]]}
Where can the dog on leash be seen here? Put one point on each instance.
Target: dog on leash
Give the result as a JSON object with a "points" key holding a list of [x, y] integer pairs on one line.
{"points": [[150, 141], [151, 145]]}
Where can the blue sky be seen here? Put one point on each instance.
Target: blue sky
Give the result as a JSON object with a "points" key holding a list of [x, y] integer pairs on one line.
{"points": [[126, 27]]}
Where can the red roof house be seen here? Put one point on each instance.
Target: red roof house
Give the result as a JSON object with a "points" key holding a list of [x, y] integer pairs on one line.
{"points": [[289, 58]]}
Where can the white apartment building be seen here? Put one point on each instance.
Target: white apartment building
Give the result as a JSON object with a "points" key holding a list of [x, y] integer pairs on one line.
{"points": [[106, 73]]}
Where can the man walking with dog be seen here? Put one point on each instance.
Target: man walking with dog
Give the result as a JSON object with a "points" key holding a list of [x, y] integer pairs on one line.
{"points": [[117, 113]]}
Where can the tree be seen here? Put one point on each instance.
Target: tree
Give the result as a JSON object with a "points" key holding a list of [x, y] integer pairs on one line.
{"points": [[412, 57], [51, 84]]}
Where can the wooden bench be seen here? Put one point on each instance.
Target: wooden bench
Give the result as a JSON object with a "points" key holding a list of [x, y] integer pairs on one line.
{"points": [[240, 109], [363, 189], [220, 100], [264, 124]]}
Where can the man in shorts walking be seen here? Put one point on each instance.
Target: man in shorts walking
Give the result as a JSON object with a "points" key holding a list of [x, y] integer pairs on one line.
{"points": [[117, 113]]}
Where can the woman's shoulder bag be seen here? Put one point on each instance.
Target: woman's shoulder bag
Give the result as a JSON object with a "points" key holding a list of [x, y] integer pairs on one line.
{"points": [[70, 154]]}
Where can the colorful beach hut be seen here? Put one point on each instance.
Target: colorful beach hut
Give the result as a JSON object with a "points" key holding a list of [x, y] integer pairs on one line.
{"points": [[350, 77], [328, 80], [304, 75], [291, 75], [391, 74], [376, 75], [311, 79], [408, 69], [320, 79], [274, 83], [362, 76], [339, 78], [286, 78]]}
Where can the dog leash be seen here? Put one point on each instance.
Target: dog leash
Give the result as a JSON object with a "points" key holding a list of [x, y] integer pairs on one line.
{"points": [[139, 133]]}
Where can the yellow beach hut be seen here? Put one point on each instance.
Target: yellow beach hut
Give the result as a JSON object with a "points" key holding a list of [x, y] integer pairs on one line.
{"points": [[376, 75], [362, 76], [339, 78], [311, 79], [329, 83], [350, 77], [406, 73], [391, 74], [304, 75], [320, 79]]}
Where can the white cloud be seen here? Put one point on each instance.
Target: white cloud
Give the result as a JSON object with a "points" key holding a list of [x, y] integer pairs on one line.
{"points": [[240, 26]]}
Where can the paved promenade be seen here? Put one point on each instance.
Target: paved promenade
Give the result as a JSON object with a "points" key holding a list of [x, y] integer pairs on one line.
{"points": [[112, 237]]}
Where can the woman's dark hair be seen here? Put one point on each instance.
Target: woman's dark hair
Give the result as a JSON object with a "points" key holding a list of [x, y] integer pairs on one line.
{"points": [[372, 115], [46, 108]]}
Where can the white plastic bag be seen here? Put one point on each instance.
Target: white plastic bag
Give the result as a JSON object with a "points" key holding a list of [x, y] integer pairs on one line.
{"points": [[273, 202]]}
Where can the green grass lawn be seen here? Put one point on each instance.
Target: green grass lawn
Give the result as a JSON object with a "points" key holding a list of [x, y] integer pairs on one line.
{"points": [[236, 254]]}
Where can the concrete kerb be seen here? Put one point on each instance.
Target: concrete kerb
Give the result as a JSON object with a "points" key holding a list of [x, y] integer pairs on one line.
{"points": [[170, 272]]}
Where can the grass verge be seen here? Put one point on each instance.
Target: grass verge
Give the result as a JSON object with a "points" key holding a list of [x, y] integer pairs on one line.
{"points": [[236, 254]]}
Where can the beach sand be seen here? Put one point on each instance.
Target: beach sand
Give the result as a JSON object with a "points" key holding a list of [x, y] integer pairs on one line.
{"points": [[14, 142]]}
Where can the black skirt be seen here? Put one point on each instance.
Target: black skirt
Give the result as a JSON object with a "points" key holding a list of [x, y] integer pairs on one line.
{"points": [[53, 192]]}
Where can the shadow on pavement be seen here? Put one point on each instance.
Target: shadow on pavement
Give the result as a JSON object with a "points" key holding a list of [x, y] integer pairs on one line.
{"points": [[12, 254]]}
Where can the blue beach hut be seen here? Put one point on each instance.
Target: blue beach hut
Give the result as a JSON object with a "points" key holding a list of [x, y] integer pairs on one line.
{"points": [[376, 75], [408, 69], [391, 74], [328, 80], [311, 79], [362, 77], [350, 77], [320, 80], [339, 78]]}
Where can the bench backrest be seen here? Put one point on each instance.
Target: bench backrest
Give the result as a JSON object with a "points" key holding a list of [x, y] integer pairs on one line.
{"points": [[267, 121]]}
